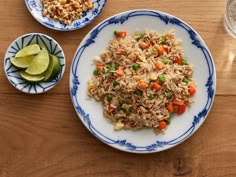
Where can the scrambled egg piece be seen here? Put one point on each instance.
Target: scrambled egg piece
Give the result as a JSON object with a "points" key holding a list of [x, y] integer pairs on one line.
{"points": [[153, 77], [119, 125]]}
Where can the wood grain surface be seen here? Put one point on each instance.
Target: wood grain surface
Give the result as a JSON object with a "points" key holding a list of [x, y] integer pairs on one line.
{"points": [[41, 135]]}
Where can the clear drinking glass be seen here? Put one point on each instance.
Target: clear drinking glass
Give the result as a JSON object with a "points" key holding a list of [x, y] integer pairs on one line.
{"points": [[230, 18]]}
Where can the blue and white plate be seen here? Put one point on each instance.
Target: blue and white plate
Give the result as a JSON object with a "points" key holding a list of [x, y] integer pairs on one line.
{"points": [[35, 8], [12, 73], [182, 127]]}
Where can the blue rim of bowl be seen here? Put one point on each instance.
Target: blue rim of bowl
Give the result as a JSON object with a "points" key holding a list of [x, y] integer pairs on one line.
{"points": [[123, 144], [86, 21], [32, 88]]}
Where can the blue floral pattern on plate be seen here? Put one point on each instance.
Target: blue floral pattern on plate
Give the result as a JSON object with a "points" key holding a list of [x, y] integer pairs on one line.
{"points": [[35, 8], [12, 73], [132, 141]]}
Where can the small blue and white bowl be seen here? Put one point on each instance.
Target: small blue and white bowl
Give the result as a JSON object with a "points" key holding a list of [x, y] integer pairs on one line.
{"points": [[12, 72], [35, 7]]}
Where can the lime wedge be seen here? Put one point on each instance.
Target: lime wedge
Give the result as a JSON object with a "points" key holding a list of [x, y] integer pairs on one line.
{"points": [[39, 64], [28, 50], [31, 78], [53, 69], [21, 62]]}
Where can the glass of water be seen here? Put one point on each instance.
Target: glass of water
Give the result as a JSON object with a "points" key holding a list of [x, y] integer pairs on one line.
{"points": [[230, 18]]}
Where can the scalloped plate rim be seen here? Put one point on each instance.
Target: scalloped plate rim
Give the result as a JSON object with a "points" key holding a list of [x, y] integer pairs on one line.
{"points": [[200, 117]]}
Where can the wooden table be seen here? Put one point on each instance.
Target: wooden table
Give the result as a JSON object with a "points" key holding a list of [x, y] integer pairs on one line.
{"points": [[41, 135]]}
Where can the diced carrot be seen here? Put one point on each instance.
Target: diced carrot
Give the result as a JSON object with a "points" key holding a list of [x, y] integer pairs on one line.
{"points": [[178, 102], [160, 49], [119, 72], [156, 86], [170, 107], [100, 67], [192, 90], [167, 49], [110, 108], [178, 60], [122, 33], [181, 109], [142, 85], [121, 52], [162, 124], [159, 65]]}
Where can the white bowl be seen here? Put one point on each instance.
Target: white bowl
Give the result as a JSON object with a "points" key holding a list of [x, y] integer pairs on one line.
{"points": [[12, 72]]}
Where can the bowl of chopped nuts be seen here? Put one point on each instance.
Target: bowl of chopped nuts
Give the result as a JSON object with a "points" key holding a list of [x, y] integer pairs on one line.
{"points": [[65, 15]]}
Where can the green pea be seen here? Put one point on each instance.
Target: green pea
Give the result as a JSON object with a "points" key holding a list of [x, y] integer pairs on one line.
{"points": [[120, 100], [135, 66], [138, 36], [95, 72], [184, 62], [127, 111], [168, 121], [151, 96], [162, 78], [165, 61], [110, 68], [168, 95], [138, 92], [154, 50], [163, 40], [115, 83], [116, 32], [109, 97], [119, 107], [186, 80], [116, 65]]}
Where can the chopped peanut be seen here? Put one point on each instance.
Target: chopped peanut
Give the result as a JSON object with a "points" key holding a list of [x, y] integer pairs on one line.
{"points": [[65, 11]]}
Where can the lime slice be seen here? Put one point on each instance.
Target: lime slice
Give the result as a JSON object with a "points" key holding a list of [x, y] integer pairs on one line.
{"points": [[53, 69], [21, 62], [28, 50], [39, 64], [31, 78]]}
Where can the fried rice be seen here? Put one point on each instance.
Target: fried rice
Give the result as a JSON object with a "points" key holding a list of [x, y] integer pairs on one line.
{"points": [[142, 79]]}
